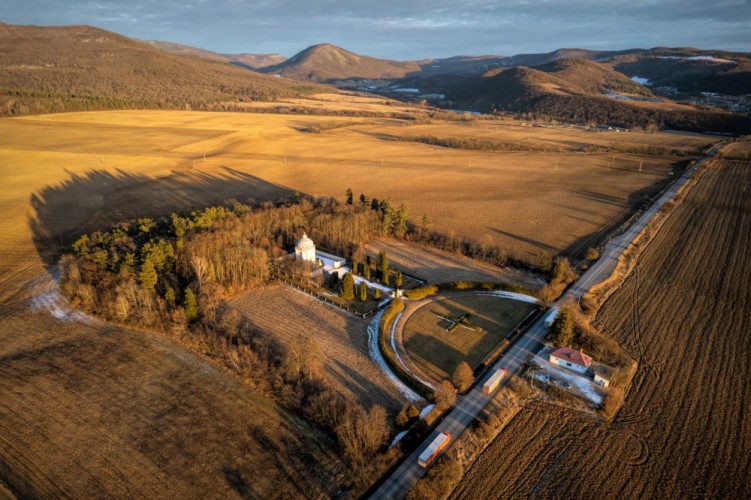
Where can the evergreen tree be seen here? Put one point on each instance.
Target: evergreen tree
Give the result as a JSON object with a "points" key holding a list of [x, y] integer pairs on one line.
{"points": [[364, 200], [388, 216], [333, 281], [382, 266], [169, 296], [349, 196], [363, 291], [374, 204], [400, 221], [347, 291], [366, 272], [191, 306], [148, 277], [562, 330]]}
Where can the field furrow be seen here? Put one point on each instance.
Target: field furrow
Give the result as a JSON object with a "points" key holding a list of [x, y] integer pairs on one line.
{"points": [[685, 429]]}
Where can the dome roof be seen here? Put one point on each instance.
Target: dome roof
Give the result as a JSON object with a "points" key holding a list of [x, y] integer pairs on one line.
{"points": [[304, 243]]}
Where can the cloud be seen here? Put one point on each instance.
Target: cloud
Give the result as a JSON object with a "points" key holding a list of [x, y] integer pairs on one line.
{"points": [[411, 29]]}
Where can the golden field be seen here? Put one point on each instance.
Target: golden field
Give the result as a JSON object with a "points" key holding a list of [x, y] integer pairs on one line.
{"points": [[131, 396]]}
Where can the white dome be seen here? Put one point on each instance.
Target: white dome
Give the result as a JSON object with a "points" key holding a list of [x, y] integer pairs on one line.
{"points": [[304, 243]]}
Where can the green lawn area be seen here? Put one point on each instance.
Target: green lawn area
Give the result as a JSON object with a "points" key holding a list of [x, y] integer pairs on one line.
{"points": [[438, 352]]}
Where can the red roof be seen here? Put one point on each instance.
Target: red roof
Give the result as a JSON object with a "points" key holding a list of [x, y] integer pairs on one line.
{"points": [[572, 356]]}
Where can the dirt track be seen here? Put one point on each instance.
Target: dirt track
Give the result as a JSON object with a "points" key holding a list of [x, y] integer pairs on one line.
{"points": [[684, 430]]}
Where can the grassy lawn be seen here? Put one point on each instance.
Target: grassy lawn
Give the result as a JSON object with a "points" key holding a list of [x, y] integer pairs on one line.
{"points": [[438, 352]]}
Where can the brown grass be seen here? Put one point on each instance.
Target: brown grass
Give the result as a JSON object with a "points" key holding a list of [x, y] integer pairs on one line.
{"points": [[286, 314], [96, 411], [683, 430], [436, 266], [437, 352]]}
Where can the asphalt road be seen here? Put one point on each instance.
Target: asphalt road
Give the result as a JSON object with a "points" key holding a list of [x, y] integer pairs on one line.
{"points": [[469, 406]]}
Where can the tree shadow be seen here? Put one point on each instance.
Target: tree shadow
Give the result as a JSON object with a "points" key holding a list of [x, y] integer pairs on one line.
{"points": [[236, 481], [99, 199]]}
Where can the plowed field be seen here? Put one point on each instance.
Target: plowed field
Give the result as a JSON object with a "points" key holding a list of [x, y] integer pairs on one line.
{"points": [[685, 428]]}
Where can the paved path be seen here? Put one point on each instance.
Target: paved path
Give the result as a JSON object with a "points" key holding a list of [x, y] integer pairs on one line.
{"points": [[469, 406]]}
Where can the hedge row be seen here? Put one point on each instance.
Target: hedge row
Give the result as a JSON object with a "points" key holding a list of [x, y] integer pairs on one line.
{"points": [[454, 286]]}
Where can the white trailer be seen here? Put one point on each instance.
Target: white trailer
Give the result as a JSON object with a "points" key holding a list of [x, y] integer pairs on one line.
{"points": [[434, 448], [492, 383], [550, 318]]}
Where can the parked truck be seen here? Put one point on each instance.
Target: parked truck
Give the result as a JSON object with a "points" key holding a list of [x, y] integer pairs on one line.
{"points": [[550, 318], [492, 383], [434, 449]]}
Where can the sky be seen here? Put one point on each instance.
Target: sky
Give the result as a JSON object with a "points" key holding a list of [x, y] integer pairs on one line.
{"points": [[406, 29]]}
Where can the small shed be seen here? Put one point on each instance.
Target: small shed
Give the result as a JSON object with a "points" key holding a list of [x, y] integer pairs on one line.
{"points": [[603, 374], [571, 359]]}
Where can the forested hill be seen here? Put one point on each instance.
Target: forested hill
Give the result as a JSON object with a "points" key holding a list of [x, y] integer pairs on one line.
{"points": [[329, 63], [72, 68], [580, 91]]}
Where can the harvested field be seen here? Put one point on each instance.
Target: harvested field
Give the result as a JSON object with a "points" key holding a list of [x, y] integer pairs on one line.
{"points": [[436, 266], [684, 430], [437, 352], [286, 314], [94, 411], [524, 201]]}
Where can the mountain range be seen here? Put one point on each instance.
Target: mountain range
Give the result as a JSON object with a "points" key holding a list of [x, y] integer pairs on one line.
{"points": [[80, 67]]}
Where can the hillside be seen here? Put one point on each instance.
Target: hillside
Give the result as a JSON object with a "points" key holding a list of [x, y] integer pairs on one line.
{"points": [[250, 61], [574, 90], [53, 69], [697, 71], [329, 63]]}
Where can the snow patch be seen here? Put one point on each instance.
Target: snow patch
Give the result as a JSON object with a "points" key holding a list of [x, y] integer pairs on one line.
{"points": [[377, 357], [426, 410], [641, 81], [47, 298], [398, 438], [512, 295]]}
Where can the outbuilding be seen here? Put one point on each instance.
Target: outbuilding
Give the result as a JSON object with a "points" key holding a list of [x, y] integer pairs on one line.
{"points": [[571, 359], [603, 374]]}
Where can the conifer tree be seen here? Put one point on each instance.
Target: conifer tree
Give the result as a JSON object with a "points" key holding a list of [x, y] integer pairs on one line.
{"points": [[148, 277], [347, 291], [191, 306]]}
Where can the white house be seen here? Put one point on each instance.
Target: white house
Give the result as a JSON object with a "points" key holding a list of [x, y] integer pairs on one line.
{"points": [[571, 359]]}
